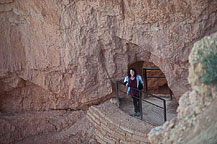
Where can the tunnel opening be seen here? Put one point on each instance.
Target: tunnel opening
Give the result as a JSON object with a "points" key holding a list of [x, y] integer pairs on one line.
{"points": [[156, 106], [155, 85]]}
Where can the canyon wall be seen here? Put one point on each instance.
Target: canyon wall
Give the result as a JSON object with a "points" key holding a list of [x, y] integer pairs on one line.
{"points": [[65, 54], [197, 111]]}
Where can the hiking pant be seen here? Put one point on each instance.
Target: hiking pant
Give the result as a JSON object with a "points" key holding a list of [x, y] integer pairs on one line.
{"points": [[136, 103]]}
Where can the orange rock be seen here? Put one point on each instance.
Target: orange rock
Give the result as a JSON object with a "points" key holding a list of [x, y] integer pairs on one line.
{"points": [[68, 54]]}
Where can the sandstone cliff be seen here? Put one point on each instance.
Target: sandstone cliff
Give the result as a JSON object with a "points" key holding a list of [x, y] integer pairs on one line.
{"points": [[66, 54], [197, 112]]}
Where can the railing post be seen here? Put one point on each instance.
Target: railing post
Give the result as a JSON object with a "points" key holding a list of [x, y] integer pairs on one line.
{"points": [[140, 104], [165, 111], [170, 94], [146, 82], [117, 95]]}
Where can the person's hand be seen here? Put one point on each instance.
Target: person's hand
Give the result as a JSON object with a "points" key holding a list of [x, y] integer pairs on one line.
{"points": [[126, 84]]}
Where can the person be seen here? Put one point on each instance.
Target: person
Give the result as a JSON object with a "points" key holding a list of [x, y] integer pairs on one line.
{"points": [[134, 80]]}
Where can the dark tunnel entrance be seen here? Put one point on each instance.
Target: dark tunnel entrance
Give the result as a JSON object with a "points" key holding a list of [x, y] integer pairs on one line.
{"points": [[155, 85]]}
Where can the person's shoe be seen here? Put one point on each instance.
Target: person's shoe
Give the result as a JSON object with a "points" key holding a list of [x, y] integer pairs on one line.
{"points": [[137, 114], [133, 114]]}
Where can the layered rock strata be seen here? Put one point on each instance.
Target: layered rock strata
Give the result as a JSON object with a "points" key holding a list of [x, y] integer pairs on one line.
{"points": [[113, 126]]}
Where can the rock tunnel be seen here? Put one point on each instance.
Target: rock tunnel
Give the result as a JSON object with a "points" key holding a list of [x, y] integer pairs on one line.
{"points": [[59, 58], [156, 85]]}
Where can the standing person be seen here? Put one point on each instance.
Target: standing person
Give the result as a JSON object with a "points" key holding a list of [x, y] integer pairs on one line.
{"points": [[134, 80]]}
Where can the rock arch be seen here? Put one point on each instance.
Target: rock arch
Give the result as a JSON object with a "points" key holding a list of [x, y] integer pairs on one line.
{"points": [[74, 50], [156, 85]]}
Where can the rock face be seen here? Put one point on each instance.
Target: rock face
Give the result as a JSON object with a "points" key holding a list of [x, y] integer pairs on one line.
{"points": [[197, 111], [67, 54], [50, 127]]}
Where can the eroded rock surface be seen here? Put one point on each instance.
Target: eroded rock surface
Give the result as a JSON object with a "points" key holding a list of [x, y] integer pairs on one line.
{"points": [[197, 111], [67, 54], [50, 127]]}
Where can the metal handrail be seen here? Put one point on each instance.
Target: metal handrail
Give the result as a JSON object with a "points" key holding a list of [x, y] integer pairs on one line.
{"points": [[147, 77], [140, 98]]}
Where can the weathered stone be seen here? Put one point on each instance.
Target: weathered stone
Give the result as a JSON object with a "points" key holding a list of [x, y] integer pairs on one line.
{"points": [[197, 112], [24, 126], [71, 52], [122, 127]]}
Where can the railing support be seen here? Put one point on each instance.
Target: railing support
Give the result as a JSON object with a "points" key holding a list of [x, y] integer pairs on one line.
{"points": [[117, 94], [171, 98], [146, 82], [165, 111], [140, 105]]}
